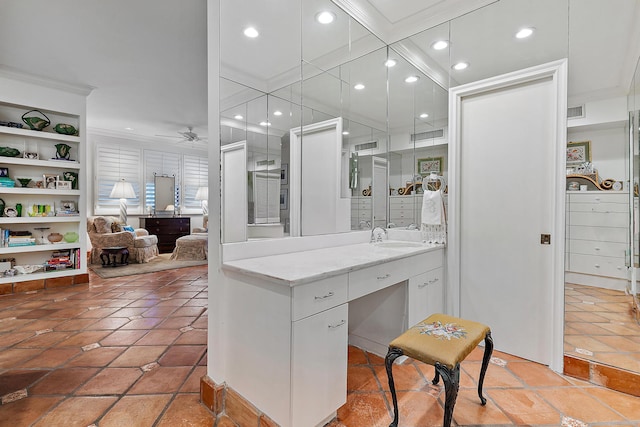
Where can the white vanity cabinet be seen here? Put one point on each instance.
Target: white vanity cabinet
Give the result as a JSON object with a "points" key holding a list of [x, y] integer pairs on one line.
{"points": [[319, 366], [361, 209], [287, 321], [597, 235], [425, 295]]}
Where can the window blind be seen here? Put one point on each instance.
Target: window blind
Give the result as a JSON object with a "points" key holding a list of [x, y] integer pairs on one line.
{"points": [[115, 162]]}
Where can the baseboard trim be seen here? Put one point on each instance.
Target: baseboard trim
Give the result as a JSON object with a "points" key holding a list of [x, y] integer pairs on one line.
{"points": [[603, 375]]}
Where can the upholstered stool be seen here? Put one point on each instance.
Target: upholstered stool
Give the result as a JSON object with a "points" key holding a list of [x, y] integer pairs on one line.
{"points": [[191, 248], [442, 341]]}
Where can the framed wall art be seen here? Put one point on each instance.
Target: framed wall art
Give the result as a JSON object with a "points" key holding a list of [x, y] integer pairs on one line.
{"points": [[578, 152], [430, 164]]}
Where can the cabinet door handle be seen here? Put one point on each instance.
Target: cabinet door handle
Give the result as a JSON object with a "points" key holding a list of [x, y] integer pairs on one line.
{"points": [[422, 285], [386, 276], [597, 265], [597, 248], [434, 280], [337, 325], [329, 295]]}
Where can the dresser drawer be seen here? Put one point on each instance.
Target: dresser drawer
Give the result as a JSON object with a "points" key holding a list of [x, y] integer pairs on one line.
{"points": [[590, 247], [598, 265], [601, 234], [367, 280], [318, 296], [599, 219], [596, 198]]}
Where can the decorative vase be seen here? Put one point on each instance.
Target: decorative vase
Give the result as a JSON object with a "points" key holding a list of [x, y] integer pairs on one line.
{"points": [[63, 151], [54, 237], [71, 237]]}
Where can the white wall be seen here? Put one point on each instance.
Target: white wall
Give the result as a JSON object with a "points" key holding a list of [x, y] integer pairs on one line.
{"points": [[609, 148]]}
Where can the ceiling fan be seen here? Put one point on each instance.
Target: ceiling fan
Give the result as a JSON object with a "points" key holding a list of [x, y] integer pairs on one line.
{"points": [[188, 136]]}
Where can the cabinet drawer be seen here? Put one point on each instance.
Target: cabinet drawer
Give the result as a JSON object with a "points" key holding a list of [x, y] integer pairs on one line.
{"points": [[590, 247], [599, 219], [367, 280], [318, 296], [425, 295], [601, 234], [598, 198], [604, 207], [598, 265]]}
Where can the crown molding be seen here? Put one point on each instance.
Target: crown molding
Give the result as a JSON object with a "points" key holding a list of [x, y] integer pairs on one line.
{"points": [[17, 74]]}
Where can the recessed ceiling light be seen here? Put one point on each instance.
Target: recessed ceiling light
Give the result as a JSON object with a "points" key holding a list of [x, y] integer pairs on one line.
{"points": [[460, 66], [346, 132], [390, 62], [238, 117], [265, 124], [358, 86], [440, 44], [277, 113], [524, 33], [412, 79], [424, 115], [128, 128], [251, 32], [325, 17]]}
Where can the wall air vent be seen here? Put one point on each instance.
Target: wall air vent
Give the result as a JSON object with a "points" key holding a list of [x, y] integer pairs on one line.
{"points": [[367, 146], [265, 162], [576, 112], [432, 134]]}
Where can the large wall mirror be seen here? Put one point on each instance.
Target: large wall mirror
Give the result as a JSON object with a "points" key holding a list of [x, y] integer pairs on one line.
{"points": [[165, 194]]}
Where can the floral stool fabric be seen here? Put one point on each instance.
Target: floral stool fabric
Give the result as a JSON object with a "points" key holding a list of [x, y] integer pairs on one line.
{"points": [[193, 247], [442, 341]]}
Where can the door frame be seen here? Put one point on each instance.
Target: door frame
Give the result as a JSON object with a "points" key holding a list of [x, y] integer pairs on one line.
{"points": [[557, 72]]}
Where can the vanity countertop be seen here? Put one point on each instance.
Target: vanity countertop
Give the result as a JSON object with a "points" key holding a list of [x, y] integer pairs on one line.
{"points": [[302, 267]]}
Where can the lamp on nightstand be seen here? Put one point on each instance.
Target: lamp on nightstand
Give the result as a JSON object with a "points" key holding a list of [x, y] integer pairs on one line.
{"points": [[203, 194], [123, 190]]}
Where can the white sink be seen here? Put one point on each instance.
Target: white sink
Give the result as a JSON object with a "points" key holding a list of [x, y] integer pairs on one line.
{"points": [[398, 244]]}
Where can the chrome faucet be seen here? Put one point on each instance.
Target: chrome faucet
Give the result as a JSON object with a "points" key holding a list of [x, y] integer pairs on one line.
{"points": [[376, 234]]}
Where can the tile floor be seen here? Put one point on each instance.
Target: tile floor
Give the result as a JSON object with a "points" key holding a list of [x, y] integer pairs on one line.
{"points": [[130, 352], [600, 326]]}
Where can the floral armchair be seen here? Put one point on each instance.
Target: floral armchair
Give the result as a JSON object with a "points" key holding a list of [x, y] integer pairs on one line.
{"points": [[106, 231], [205, 225]]}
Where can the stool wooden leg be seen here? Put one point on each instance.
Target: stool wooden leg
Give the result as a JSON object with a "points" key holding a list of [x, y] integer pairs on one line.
{"points": [[488, 350], [392, 355], [451, 379]]}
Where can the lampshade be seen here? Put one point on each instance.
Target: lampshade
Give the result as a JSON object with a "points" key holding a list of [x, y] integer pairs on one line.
{"points": [[202, 193], [122, 190]]}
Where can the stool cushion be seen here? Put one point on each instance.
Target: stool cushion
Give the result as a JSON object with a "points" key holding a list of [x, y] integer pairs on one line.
{"points": [[441, 338], [192, 247]]}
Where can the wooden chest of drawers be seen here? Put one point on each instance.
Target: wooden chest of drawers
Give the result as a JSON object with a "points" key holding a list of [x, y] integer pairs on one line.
{"points": [[168, 230]]}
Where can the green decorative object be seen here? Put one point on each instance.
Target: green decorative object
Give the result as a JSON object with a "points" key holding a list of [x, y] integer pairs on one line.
{"points": [[63, 151], [24, 181], [35, 122], [65, 129], [73, 177], [9, 152], [71, 237]]}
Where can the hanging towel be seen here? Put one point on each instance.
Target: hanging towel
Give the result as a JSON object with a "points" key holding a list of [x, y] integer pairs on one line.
{"points": [[432, 208], [434, 220]]}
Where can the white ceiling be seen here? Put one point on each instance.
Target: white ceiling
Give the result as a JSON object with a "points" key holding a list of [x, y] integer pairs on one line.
{"points": [[147, 58]]}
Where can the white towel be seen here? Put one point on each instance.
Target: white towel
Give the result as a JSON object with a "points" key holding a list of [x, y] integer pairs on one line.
{"points": [[434, 219], [432, 208]]}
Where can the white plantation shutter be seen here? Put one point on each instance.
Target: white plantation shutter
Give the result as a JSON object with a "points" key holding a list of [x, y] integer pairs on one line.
{"points": [[196, 174], [115, 162]]}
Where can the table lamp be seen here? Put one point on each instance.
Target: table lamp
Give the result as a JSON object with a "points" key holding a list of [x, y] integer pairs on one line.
{"points": [[123, 190], [203, 195]]}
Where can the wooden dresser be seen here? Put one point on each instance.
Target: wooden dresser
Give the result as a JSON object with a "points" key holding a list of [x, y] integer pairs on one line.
{"points": [[168, 230]]}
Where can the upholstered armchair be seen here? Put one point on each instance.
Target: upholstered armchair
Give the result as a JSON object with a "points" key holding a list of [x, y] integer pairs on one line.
{"points": [[205, 225], [106, 231]]}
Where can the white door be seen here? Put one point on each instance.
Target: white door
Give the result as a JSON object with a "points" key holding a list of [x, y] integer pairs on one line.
{"points": [[506, 199]]}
